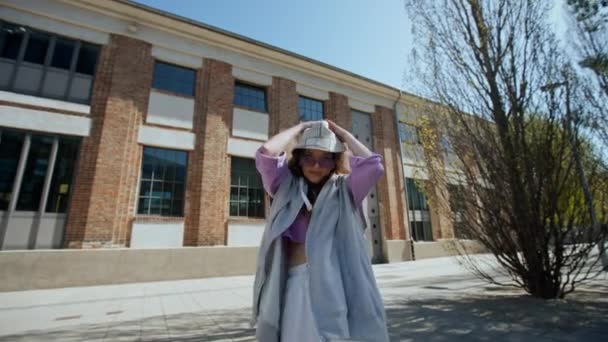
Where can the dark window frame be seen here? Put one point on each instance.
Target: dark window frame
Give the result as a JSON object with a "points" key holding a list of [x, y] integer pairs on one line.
{"points": [[421, 229], [405, 139], [152, 182], [302, 101], [249, 101], [251, 189], [55, 195], [46, 66], [190, 93]]}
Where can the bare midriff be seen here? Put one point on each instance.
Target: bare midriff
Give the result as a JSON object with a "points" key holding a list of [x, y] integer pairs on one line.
{"points": [[296, 253]]}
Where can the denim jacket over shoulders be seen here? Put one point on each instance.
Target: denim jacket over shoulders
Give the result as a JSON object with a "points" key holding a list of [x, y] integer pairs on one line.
{"points": [[346, 303]]}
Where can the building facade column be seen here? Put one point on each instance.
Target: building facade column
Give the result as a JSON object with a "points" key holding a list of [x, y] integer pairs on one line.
{"points": [[390, 186], [103, 203], [282, 105], [338, 110], [208, 184]]}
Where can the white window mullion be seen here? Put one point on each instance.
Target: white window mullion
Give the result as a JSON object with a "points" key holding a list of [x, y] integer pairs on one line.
{"points": [[49, 176], [25, 149]]}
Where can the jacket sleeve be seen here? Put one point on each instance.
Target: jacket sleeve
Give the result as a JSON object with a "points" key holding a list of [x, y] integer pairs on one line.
{"points": [[273, 170], [365, 173]]}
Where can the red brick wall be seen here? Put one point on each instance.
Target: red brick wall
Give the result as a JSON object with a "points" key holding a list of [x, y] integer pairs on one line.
{"points": [[104, 191], [282, 105], [208, 183], [338, 110], [390, 200]]}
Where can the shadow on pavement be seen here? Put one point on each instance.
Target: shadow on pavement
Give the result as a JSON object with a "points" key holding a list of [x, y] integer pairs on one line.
{"points": [[491, 314], [504, 317]]}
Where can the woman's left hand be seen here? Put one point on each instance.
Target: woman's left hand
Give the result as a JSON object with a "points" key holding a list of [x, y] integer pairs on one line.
{"points": [[340, 132], [354, 145]]}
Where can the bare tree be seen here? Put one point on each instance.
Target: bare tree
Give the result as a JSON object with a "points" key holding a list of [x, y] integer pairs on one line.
{"points": [[520, 193]]}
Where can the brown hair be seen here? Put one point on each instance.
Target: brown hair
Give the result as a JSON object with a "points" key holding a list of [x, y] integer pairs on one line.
{"points": [[296, 170]]}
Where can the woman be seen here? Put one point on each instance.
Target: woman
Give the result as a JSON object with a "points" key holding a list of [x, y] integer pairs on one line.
{"points": [[314, 280]]}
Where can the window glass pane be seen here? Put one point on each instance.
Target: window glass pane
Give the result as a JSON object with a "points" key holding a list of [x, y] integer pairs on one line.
{"points": [[234, 208], [177, 208], [63, 173], [408, 133], [246, 192], [143, 206], [157, 189], [310, 109], [13, 37], [155, 206], [145, 188], [62, 54], [174, 79], [250, 96], [10, 150], [36, 49], [159, 168], [165, 209], [55, 84], [35, 171], [87, 59]]}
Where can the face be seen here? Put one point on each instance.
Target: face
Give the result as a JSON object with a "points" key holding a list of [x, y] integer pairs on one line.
{"points": [[316, 165]]}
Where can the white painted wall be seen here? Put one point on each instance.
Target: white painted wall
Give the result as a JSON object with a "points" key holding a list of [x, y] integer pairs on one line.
{"points": [[165, 137], [361, 106], [37, 120], [157, 235], [176, 57], [244, 234], [18, 231], [249, 124], [252, 76], [410, 171], [311, 92], [243, 148], [50, 232], [42, 102], [413, 154], [169, 110]]}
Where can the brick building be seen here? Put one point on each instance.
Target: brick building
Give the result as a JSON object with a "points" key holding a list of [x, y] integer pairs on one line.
{"points": [[125, 126]]}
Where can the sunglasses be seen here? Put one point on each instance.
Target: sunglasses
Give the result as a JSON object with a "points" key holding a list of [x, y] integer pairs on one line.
{"points": [[325, 162]]}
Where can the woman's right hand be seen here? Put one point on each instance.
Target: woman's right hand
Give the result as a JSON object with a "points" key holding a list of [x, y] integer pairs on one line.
{"points": [[305, 124], [276, 145]]}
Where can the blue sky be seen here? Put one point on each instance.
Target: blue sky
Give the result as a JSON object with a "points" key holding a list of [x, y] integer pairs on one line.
{"points": [[367, 37]]}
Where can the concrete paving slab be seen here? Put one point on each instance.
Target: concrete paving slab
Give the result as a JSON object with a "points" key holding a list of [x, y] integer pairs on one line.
{"points": [[428, 300]]}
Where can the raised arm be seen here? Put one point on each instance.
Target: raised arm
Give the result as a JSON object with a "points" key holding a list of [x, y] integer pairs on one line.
{"points": [[275, 145], [355, 146], [270, 160], [366, 166]]}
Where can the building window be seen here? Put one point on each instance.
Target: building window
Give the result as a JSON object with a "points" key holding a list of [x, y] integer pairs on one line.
{"points": [[11, 144], [246, 191], [35, 173], [163, 179], [249, 96], [38, 157], [63, 173], [310, 109], [45, 64], [419, 212], [174, 79], [456, 193], [408, 133]]}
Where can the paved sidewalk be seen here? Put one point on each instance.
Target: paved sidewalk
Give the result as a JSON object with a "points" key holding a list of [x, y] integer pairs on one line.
{"points": [[427, 300]]}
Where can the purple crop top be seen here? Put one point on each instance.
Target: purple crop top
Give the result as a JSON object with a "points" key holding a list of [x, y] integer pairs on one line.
{"points": [[365, 172]]}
